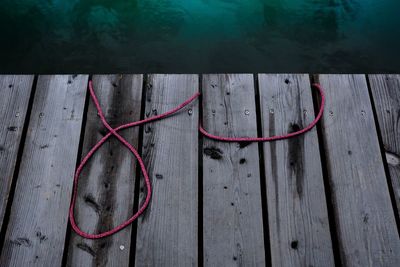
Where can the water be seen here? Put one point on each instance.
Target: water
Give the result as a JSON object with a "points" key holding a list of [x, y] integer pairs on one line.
{"points": [[199, 36]]}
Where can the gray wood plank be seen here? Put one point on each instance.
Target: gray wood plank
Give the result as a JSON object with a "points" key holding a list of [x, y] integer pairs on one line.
{"points": [[15, 91], [386, 96], [107, 184], [39, 212], [167, 231], [232, 211], [297, 212], [364, 214]]}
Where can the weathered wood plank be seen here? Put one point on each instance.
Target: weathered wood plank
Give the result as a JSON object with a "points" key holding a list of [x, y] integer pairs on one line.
{"points": [[297, 212], [39, 212], [107, 185], [232, 211], [15, 91], [386, 93], [364, 214], [167, 231]]}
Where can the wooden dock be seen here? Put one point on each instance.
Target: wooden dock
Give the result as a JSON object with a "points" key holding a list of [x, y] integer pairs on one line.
{"points": [[329, 197]]}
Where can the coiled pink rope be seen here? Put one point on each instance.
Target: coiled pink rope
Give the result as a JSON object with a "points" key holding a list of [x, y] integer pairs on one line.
{"points": [[114, 132]]}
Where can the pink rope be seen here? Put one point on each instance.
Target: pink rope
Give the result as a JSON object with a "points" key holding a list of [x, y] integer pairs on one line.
{"points": [[114, 132], [271, 138]]}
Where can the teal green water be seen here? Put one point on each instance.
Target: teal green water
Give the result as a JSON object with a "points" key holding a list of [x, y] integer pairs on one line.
{"points": [[199, 36]]}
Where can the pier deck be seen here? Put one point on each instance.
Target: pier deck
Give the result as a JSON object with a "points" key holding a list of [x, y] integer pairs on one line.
{"points": [[328, 197]]}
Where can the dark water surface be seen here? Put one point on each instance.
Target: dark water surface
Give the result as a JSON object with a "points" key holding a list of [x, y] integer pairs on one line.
{"points": [[199, 36]]}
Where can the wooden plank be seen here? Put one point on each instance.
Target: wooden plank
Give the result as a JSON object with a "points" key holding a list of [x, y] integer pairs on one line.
{"points": [[232, 211], [15, 91], [364, 214], [39, 212], [167, 231], [107, 185], [386, 96], [297, 212]]}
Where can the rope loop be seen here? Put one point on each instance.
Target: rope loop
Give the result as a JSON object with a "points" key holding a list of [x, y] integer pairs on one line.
{"points": [[114, 132]]}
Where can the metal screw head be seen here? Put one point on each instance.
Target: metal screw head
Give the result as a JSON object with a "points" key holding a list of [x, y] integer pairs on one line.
{"points": [[190, 112], [246, 112], [121, 247]]}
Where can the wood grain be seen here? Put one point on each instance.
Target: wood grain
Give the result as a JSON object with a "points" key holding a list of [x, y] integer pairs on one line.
{"points": [[386, 96], [39, 212], [167, 231], [107, 184], [364, 214], [232, 211], [298, 218], [15, 91]]}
